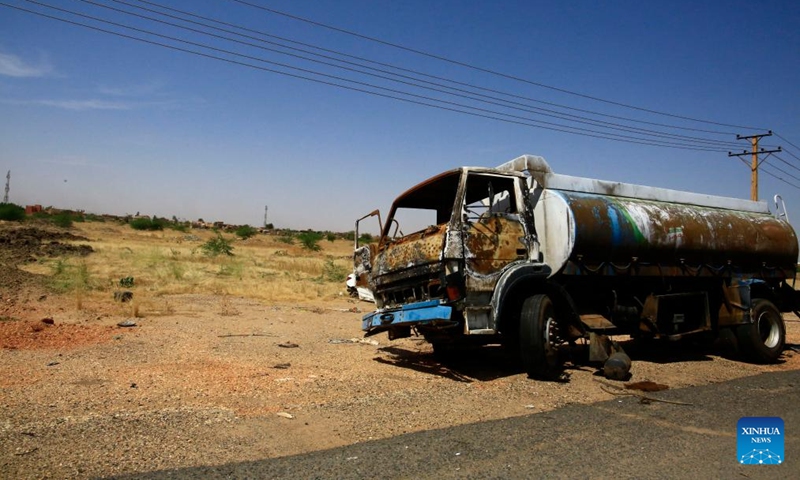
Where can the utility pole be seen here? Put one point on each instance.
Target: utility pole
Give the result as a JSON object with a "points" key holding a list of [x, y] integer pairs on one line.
{"points": [[266, 208], [754, 163], [8, 185]]}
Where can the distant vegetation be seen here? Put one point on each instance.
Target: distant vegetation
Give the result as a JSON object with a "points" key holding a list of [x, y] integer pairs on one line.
{"points": [[12, 212], [218, 245], [245, 231], [310, 240], [146, 223]]}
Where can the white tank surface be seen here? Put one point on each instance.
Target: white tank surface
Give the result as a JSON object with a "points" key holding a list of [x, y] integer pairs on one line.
{"points": [[589, 226]]}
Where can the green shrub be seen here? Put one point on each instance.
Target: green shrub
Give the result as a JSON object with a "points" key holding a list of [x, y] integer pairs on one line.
{"points": [[178, 226], [147, 224], [310, 240], [365, 238], [288, 239], [217, 246], [331, 237], [333, 273], [10, 211], [245, 231], [63, 220]]}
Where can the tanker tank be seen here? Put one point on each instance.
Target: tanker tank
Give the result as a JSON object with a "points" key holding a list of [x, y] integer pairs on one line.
{"points": [[589, 226]]}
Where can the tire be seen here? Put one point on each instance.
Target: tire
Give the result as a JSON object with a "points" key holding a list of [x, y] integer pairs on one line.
{"points": [[763, 340], [538, 338]]}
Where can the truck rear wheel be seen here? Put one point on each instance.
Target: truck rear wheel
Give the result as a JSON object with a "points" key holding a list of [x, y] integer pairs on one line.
{"points": [[763, 340], [539, 338]]}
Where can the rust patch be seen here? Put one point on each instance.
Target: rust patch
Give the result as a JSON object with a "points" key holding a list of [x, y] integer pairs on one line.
{"points": [[492, 243]]}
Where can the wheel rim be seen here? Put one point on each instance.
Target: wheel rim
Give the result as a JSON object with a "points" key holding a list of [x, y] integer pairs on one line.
{"points": [[551, 338], [769, 330]]}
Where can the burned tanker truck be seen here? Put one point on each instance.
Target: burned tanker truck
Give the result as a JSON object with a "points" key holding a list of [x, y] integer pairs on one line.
{"points": [[535, 260]]}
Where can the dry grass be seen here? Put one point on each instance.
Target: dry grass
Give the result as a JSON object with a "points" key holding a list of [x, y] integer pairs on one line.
{"points": [[171, 262]]}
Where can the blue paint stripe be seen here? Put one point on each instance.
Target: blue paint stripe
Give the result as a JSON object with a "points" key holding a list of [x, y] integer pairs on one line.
{"points": [[407, 315]]}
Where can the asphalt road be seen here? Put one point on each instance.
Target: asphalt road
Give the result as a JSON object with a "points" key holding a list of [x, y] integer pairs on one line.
{"points": [[620, 438]]}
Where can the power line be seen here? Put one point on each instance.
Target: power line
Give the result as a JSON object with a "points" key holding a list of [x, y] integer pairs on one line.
{"points": [[784, 161], [489, 114], [375, 62], [791, 154], [486, 70], [785, 140], [784, 172], [781, 179], [513, 105]]}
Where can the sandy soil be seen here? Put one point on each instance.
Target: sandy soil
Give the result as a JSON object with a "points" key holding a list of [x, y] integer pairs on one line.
{"points": [[223, 379]]}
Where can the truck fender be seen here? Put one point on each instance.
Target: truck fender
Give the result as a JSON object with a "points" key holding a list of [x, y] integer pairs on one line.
{"points": [[513, 278]]}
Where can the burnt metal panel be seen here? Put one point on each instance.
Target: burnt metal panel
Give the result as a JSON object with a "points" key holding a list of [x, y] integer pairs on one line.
{"points": [[617, 234]]}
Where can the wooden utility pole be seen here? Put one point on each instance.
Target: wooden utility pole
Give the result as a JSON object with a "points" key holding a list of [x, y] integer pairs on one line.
{"points": [[754, 163]]}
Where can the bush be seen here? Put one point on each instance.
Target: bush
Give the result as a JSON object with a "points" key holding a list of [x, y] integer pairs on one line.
{"points": [[331, 237], [10, 211], [178, 226], [310, 240], [63, 220], [147, 224], [245, 231], [333, 273], [287, 239], [217, 246]]}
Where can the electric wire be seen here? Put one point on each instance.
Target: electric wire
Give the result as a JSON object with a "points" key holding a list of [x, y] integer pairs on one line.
{"points": [[485, 70], [785, 140], [356, 89], [491, 114], [415, 72], [779, 178], [785, 162], [783, 171], [534, 110]]}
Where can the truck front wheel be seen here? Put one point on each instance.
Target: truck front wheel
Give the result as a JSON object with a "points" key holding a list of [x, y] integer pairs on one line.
{"points": [[763, 340], [539, 338]]}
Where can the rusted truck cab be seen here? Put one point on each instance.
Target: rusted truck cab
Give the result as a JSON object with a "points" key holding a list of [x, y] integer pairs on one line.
{"points": [[522, 256]]}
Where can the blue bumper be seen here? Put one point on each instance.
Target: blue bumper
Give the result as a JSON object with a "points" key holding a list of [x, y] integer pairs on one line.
{"points": [[407, 315]]}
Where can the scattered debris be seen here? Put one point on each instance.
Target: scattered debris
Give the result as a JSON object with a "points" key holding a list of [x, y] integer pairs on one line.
{"points": [[127, 323], [42, 298], [282, 366], [133, 385], [530, 406], [618, 366], [53, 364], [646, 386], [285, 415], [123, 296], [643, 399], [288, 345], [365, 341], [26, 452], [48, 321]]}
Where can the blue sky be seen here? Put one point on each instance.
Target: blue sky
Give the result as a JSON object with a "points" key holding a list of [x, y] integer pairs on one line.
{"points": [[106, 124]]}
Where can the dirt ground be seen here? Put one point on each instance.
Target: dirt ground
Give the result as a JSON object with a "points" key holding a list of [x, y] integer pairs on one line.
{"points": [[214, 379]]}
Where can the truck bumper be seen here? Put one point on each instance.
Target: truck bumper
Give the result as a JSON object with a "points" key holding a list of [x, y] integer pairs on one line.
{"points": [[408, 315]]}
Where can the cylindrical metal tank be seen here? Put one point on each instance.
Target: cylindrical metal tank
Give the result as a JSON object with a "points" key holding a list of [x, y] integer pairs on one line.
{"points": [[585, 233]]}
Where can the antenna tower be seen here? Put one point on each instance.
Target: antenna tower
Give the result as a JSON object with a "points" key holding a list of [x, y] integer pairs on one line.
{"points": [[8, 185], [266, 208]]}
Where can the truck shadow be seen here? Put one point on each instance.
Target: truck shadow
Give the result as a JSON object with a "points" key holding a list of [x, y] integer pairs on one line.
{"points": [[491, 362], [483, 364]]}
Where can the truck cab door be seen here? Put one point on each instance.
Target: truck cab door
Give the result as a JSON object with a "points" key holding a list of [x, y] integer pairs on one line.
{"points": [[494, 232]]}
